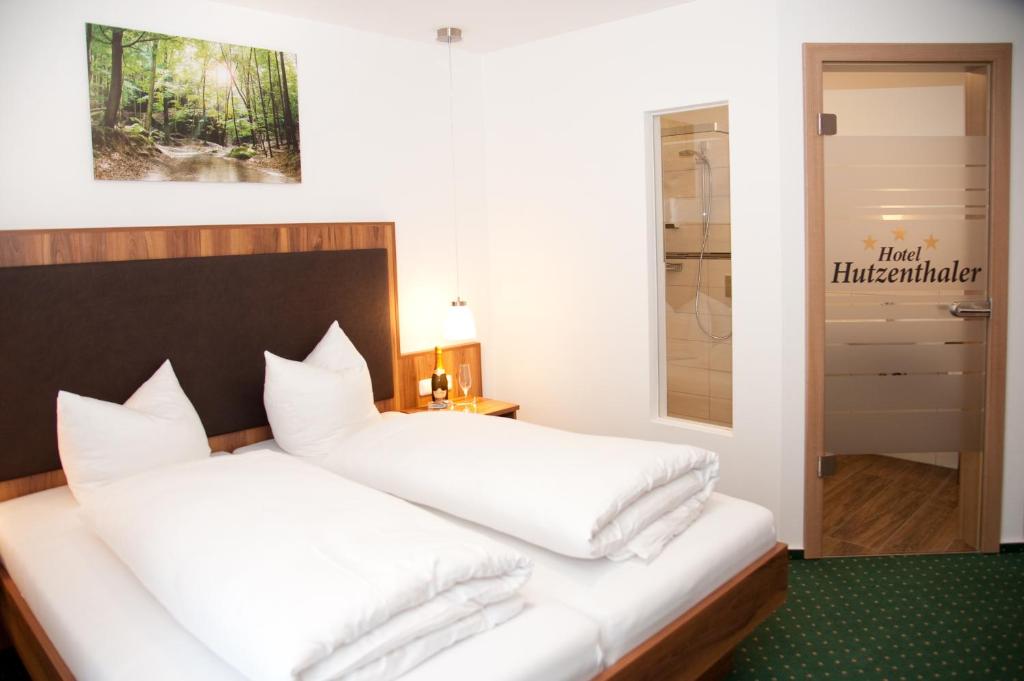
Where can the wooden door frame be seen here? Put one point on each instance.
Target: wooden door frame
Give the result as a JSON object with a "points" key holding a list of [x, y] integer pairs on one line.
{"points": [[998, 56]]}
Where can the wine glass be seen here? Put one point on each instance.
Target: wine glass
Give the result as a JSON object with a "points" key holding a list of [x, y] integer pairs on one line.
{"points": [[466, 381]]}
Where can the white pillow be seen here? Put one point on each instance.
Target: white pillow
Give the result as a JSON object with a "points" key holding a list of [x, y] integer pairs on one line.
{"points": [[100, 441], [314, 405], [335, 352]]}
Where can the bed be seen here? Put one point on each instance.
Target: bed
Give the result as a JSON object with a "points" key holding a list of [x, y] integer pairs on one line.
{"points": [[136, 295]]}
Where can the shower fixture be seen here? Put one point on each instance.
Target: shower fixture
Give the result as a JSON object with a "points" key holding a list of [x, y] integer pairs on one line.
{"points": [[698, 155], [701, 161]]}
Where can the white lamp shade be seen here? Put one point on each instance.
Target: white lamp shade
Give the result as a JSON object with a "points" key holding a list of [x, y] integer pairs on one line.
{"points": [[459, 324]]}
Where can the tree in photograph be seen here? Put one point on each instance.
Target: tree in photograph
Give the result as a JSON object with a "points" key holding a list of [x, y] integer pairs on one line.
{"points": [[230, 104], [153, 47], [273, 102], [289, 121], [116, 77], [117, 64], [254, 112], [246, 100], [263, 101], [88, 52], [164, 104]]}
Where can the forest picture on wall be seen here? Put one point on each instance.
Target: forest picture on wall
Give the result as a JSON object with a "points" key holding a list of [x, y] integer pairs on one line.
{"points": [[171, 108]]}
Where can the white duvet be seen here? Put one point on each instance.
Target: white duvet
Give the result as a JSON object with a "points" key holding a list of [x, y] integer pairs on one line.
{"points": [[288, 572], [585, 496]]}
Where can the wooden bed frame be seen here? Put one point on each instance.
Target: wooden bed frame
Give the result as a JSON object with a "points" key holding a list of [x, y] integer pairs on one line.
{"points": [[696, 646]]}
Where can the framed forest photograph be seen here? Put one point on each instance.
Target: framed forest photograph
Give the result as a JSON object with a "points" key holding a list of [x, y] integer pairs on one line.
{"points": [[181, 109]]}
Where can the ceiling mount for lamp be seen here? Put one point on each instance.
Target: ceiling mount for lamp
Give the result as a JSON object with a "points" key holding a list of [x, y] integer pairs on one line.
{"points": [[449, 34]]}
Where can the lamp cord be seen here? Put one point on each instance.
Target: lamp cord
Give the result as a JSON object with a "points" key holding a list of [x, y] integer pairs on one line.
{"points": [[451, 137]]}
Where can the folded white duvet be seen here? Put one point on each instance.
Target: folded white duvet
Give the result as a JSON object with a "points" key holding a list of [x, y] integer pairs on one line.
{"points": [[585, 496], [289, 572]]}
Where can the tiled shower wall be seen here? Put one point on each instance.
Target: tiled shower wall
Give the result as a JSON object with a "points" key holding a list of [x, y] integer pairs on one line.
{"points": [[699, 369]]}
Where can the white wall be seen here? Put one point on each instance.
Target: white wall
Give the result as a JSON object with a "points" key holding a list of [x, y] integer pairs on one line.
{"points": [[568, 219], [568, 211], [803, 21], [374, 124]]}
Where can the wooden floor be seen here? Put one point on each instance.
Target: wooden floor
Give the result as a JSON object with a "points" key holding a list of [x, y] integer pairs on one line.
{"points": [[881, 505]]}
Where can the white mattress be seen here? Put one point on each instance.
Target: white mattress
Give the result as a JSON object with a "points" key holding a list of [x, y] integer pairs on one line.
{"points": [[107, 626], [632, 600]]}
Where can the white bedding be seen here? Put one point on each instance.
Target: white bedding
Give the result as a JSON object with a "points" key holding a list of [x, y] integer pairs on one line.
{"points": [[584, 496], [631, 600], [108, 627], [289, 573]]}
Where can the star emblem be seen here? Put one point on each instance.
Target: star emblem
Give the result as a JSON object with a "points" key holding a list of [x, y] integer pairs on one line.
{"points": [[931, 241], [899, 234], [869, 243]]}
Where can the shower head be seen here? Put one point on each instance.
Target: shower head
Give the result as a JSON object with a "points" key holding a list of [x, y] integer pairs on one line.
{"points": [[698, 156]]}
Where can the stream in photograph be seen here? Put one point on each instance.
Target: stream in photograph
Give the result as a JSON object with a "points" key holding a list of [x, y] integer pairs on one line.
{"points": [[208, 163]]}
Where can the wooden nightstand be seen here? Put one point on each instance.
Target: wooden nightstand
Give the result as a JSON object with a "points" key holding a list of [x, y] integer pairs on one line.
{"points": [[484, 405]]}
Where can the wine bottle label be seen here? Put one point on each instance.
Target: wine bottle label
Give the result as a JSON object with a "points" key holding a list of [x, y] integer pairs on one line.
{"points": [[439, 381], [439, 387]]}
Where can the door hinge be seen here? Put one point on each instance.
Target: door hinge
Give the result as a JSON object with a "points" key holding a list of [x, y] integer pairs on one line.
{"points": [[826, 466], [827, 124]]}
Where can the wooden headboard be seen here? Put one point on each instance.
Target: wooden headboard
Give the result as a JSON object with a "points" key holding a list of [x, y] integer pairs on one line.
{"points": [[96, 311]]}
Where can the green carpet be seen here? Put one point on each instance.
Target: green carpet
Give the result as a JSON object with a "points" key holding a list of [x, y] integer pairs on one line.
{"points": [[894, 618]]}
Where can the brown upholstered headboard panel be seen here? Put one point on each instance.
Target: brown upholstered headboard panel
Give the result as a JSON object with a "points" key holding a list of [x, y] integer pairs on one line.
{"points": [[101, 328]]}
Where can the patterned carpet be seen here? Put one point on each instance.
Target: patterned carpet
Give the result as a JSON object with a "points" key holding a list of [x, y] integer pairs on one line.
{"points": [[894, 618]]}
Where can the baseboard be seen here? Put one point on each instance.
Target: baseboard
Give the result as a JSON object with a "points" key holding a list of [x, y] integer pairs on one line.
{"points": [[1005, 547]]}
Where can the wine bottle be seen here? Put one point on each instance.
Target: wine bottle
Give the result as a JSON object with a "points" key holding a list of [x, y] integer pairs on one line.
{"points": [[439, 380]]}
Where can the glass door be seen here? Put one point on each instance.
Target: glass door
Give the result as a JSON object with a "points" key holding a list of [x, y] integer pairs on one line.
{"points": [[906, 196]]}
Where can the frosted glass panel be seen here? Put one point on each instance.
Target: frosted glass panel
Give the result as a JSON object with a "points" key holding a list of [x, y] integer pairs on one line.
{"points": [[899, 432], [866, 393], [906, 235], [884, 309], [911, 358], [904, 331], [897, 178], [907, 151]]}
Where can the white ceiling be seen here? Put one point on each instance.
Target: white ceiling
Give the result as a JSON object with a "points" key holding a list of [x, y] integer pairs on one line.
{"points": [[486, 24]]}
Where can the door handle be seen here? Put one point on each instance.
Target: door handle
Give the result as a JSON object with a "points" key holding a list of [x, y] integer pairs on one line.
{"points": [[968, 309]]}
